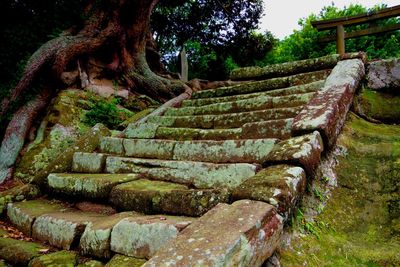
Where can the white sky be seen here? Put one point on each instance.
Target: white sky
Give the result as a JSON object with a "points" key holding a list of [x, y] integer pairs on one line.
{"points": [[281, 16]]}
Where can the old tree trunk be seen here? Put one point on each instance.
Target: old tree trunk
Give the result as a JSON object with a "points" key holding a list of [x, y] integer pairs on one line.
{"points": [[117, 32]]}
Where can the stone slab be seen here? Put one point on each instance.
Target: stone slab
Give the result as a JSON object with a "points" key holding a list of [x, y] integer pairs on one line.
{"points": [[96, 238], [112, 145], [264, 85], [23, 214], [87, 185], [229, 151], [304, 150], [198, 134], [152, 197], [327, 111], [19, 252], [59, 258], [255, 103], [141, 237], [281, 186], [145, 130], [223, 121], [88, 162], [198, 174], [287, 68], [245, 233], [298, 89], [148, 148], [18, 193], [280, 129], [61, 229], [384, 74], [124, 261]]}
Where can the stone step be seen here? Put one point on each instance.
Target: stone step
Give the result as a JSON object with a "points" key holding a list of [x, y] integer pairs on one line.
{"points": [[127, 233], [197, 174], [265, 85], [298, 89], [18, 252], [152, 197], [280, 185], [223, 121], [286, 68], [250, 104], [267, 129], [245, 233], [87, 185]]}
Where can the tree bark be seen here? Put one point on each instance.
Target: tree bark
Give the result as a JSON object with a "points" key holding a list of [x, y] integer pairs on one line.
{"points": [[122, 29]]}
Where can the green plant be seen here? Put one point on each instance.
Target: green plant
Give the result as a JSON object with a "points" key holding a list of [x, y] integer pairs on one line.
{"points": [[104, 111]]}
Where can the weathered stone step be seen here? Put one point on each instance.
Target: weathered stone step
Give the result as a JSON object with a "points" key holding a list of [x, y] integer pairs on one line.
{"points": [[298, 89], [287, 68], [280, 185], [267, 129], [129, 233], [250, 104], [304, 150], [223, 121], [87, 185], [265, 85], [198, 174], [245, 233], [152, 197]]}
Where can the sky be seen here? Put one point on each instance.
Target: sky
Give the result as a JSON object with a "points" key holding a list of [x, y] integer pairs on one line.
{"points": [[281, 16]]}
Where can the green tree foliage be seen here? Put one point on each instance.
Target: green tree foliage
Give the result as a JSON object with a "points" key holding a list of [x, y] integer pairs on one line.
{"points": [[26, 25], [218, 35], [304, 43]]}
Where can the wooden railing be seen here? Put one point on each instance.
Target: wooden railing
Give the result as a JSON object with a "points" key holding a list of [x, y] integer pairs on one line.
{"points": [[369, 18]]}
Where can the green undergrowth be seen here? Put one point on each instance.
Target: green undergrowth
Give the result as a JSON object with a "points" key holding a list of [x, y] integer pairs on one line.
{"points": [[381, 106], [360, 224]]}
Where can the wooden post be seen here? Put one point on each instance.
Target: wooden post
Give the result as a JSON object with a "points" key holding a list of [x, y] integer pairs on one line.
{"points": [[184, 65], [340, 39]]}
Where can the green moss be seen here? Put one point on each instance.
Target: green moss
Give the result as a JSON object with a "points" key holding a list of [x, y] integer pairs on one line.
{"points": [[60, 258], [359, 226], [380, 106], [19, 252]]}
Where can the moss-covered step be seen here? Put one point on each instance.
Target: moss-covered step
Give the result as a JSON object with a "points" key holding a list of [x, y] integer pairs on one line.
{"points": [[87, 185], [381, 106], [23, 214], [223, 121], [306, 65], [327, 111], [141, 237], [88, 162], [245, 233], [251, 104], [124, 261], [18, 193], [229, 151], [112, 145], [151, 197], [281, 186], [63, 229], [298, 89], [267, 129], [149, 148], [280, 129], [198, 134], [19, 252], [60, 258], [199, 174], [265, 85], [96, 238], [304, 150]]}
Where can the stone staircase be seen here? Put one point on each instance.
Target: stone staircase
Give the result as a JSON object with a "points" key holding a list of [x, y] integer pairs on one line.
{"points": [[210, 181]]}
